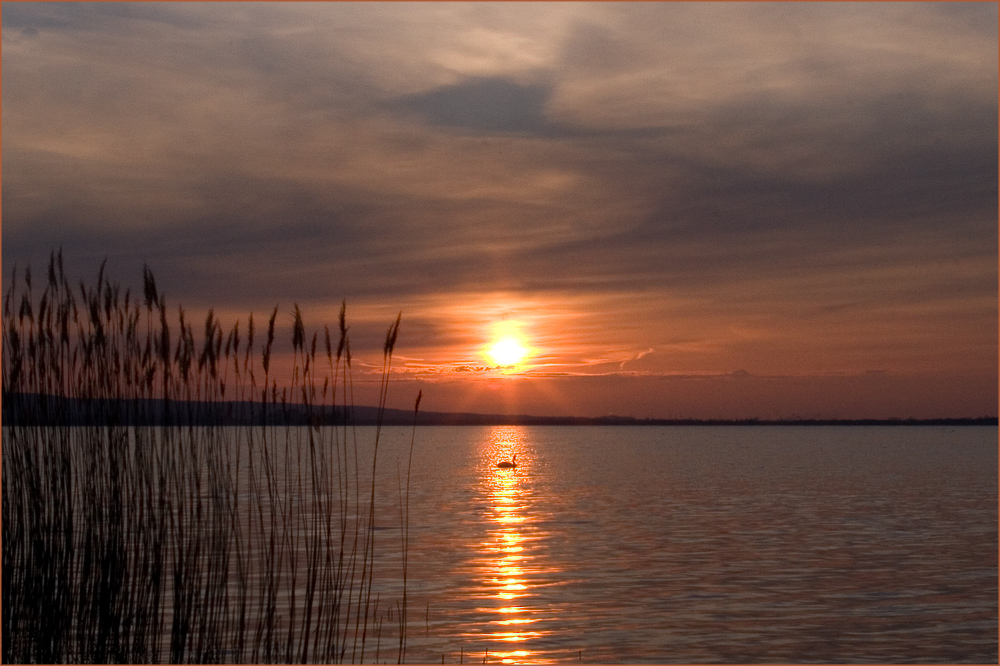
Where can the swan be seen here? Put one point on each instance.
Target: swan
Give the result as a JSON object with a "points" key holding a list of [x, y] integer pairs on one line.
{"points": [[507, 464]]}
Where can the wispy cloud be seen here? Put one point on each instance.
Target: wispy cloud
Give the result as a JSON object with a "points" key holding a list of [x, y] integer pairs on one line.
{"points": [[787, 188]]}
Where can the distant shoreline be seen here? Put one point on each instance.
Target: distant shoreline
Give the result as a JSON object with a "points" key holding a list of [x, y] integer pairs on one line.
{"points": [[629, 421], [46, 410]]}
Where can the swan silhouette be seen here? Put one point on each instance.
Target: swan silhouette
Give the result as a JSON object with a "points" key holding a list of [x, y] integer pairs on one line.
{"points": [[507, 464]]}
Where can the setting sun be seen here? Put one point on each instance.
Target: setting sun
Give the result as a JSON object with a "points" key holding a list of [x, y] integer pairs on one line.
{"points": [[509, 347], [507, 351]]}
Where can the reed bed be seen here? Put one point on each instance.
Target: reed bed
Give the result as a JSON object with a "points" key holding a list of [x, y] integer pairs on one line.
{"points": [[141, 526]]}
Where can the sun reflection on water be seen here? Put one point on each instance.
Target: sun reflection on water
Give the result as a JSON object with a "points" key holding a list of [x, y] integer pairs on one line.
{"points": [[513, 620]]}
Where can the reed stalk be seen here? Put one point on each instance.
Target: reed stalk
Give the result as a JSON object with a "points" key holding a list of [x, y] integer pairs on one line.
{"points": [[141, 526]]}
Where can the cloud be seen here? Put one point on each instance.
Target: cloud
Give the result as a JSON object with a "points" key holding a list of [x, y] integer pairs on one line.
{"points": [[482, 104], [769, 180]]}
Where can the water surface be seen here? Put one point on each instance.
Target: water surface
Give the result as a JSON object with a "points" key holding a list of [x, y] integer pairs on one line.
{"points": [[700, 544]]}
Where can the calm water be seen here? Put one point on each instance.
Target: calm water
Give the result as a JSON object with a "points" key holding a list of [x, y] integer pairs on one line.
{"points": [[700, 544]]}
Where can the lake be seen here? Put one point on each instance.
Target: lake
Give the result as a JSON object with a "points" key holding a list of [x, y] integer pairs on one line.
{"points": [[700, 544], [697, 544]]}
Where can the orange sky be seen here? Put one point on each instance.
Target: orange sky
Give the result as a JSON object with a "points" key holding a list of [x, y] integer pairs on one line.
{"points": [[684, 209]]}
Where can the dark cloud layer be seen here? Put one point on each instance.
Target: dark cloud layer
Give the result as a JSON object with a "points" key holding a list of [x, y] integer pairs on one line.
{"points": [[483, 105]]}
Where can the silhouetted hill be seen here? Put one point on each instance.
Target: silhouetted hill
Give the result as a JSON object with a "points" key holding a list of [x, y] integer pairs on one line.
{"points": [[33, 409]]}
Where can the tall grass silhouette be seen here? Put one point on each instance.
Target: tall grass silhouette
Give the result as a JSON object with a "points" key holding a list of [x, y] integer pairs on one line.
{"points": [[140, 526]]}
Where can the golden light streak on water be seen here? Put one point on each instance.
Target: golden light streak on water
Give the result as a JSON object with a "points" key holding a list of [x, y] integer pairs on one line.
{"points": [[520, 620], [513, 620]]}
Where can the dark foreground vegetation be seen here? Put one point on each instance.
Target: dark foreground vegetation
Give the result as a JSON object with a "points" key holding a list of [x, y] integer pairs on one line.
{"points": [[187, 540]]}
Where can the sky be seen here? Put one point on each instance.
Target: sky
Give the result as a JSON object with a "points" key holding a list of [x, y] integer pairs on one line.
{"points": [[677, 210]]}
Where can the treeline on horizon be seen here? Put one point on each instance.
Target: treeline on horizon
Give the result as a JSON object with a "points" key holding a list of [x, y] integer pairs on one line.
{"points": [[20, 409]]}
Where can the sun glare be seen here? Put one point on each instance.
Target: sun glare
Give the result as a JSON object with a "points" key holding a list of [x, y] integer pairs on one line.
{"points": [[509, 347], [507, 351]]}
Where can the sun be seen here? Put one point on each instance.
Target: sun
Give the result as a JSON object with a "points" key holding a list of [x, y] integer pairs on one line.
{"points": [[509, 348], [507, 351]]}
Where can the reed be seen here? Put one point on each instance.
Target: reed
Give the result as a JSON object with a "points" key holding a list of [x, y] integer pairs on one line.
{"points": [[140, 526]]}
